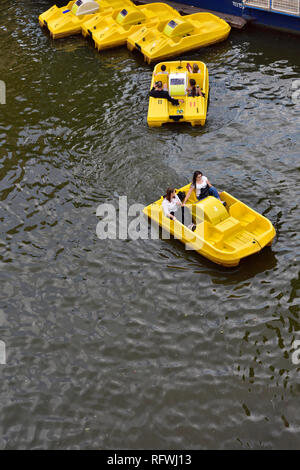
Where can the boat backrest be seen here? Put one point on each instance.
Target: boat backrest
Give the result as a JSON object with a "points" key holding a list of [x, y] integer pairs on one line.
{"points": [[161, 77], [130, 16], [85, 7], [178, 27], [197, 77], [214, 211], [237, 210]]}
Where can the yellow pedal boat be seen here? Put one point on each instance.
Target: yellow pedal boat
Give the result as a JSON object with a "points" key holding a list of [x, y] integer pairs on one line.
{"points": [[91, 25], [179, 35], [68, 20], [176, 81], [113, 30], [224, 235]]}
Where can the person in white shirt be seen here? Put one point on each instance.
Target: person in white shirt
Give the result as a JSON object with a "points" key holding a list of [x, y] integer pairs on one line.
{"points": [[202, 187], [170, 203]]}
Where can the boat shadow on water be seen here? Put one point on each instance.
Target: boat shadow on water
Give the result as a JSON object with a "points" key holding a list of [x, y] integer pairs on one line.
{"points": [[248, 267]]}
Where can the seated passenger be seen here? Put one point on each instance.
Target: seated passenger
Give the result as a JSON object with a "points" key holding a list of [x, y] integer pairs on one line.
{"points": [[193, 89], [158, 92], [196, 68], [170, 203], [163, 69], [202, 187]]}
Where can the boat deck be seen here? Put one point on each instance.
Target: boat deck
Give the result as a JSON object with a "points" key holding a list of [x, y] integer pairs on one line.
{"points": [[234, 21]]}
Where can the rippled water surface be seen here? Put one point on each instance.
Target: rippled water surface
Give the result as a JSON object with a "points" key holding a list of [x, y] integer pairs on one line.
{"points": [[142, 344]]}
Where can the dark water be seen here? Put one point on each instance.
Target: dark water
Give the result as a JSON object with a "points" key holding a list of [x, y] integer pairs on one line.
{"points": [[142, 344]]}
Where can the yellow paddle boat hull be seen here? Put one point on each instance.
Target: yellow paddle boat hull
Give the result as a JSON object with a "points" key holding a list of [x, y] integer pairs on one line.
{"points": [[180, 35], [68, 20], [90, 26], [113, 30], [192, 109], [224, 235]]}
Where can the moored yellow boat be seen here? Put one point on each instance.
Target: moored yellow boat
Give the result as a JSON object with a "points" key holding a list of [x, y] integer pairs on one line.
{"points": [[113, 30], [68, 20], [89, 26], [224, 235], [176, 80], [179, 35]]}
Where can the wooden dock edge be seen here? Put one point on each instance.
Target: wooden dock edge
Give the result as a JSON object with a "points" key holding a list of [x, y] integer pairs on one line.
{"points": [[234, 21]]}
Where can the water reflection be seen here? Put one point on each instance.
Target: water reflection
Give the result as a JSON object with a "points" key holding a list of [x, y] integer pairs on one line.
{"points": [[140, 344]]}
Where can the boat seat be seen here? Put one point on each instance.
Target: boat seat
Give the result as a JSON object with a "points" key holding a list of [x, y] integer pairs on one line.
{"points": [[238, 211], [161, 77], [214, 211], [197, 77], [85, 7]]}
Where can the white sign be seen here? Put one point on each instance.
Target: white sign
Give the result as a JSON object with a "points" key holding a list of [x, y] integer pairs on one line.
{"points": [[129, 222]]}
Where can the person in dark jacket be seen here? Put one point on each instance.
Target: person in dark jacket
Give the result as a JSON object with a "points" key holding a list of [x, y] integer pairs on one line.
{"points": [[158, 92]]}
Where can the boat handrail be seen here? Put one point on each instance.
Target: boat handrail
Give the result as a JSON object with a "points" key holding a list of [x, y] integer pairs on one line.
{"points": [[290, 7]]}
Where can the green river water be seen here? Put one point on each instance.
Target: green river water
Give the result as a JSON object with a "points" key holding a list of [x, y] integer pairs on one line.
{"points": [[139, 344]]}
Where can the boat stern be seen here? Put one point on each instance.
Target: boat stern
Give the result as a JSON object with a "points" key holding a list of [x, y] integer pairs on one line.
{"points": [[64, 25], [109, 36], [53, 14], [91, 24]]}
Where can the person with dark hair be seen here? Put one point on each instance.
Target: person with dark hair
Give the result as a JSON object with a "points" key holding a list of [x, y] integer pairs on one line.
{"points": [[163, 69], [194, 69], [158, 92], [193, 90], [170, 203], [202, 187]]}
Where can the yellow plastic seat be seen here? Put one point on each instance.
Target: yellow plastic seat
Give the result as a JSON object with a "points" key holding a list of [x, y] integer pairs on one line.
{"points": [[213, 209], [178, 27], [161, 77]]}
